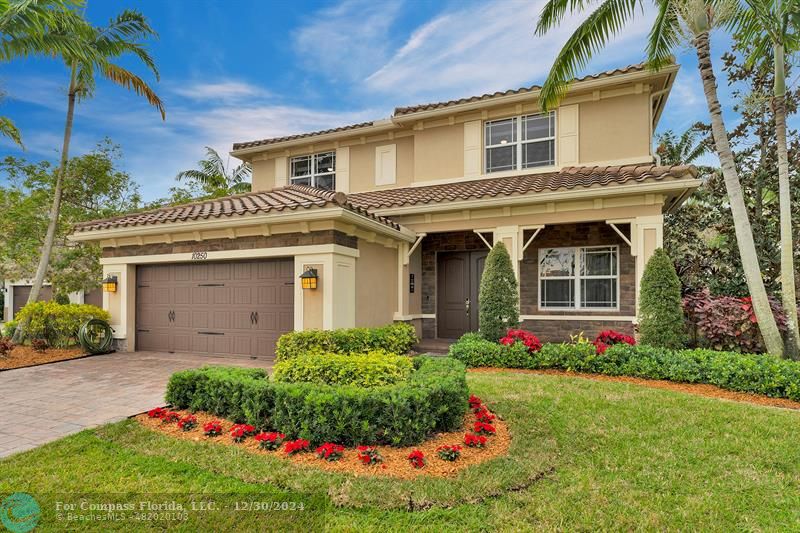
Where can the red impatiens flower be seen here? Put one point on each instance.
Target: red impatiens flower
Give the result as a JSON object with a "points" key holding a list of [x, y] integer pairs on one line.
{"points": [[474, 441], [484, 415], [474, 402], [270, 441], [417, 459], [170, 417], [608, 338], [212, 429], [187, 423], [296, 446], [527, 338], [330, 451], [239, 432], [369, 455], [158, 412], [449, 452], [482, 428]]}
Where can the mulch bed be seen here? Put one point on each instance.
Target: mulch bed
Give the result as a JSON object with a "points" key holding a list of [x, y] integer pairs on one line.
{"points": [[698, 389], [22, 356], [395, 460]]}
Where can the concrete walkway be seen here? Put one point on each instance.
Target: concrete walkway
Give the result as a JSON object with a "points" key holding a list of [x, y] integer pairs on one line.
{"points": [[44, 403]]}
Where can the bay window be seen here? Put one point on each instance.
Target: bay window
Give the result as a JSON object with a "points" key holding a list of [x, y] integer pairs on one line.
{"points": [[316, 170], [522, 142], [579, 277]]}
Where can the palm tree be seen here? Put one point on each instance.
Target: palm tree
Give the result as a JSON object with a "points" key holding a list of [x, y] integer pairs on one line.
{"points": [[771, 26], [87, 51], [686, 149], [26, 17], [675, 20], [215, 176]]}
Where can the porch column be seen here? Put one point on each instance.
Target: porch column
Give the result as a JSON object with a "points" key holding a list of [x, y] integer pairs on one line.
{"points": [[509, 236], [647, 234], [333, 303], [122, 304]]}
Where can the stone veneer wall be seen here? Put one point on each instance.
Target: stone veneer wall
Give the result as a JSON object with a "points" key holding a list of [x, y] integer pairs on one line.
{"points": [[240, 243]]}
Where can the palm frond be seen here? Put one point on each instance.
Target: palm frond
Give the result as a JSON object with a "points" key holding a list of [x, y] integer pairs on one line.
{"points": [[553, 12], [590, 37], [664, 35], [129, 80], [8, 129]]}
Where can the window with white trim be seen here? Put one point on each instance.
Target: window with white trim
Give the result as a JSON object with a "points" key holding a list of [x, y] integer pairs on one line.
{"points": [[316, 170], [579, 278], [520, 142]]}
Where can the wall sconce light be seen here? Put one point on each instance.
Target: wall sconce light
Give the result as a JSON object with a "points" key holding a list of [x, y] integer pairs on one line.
{"points": [[308, 279], [110, 284]]}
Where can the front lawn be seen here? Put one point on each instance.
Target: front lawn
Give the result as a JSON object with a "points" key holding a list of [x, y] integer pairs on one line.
{"points": [[586, 455]]}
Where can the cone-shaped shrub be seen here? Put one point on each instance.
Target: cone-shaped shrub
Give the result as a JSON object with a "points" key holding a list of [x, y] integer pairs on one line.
{"points": [[661, 321], [499, 299]]}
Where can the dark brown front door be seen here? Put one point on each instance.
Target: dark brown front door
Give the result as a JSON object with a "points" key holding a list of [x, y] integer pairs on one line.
{"points": [[458, 283], [21, 293], [237, 307]]}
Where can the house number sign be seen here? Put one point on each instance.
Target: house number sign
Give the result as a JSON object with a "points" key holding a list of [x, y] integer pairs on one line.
{"points": [[199, 256]]}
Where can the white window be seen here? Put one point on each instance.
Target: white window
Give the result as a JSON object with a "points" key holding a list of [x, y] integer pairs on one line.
{"points": [[317, 170], [579, 278], [520, 142]]}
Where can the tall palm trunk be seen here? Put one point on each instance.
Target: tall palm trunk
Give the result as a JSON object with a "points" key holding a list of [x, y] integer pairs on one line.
{"points": [[787, 247], [741, 220], [55, 209]]}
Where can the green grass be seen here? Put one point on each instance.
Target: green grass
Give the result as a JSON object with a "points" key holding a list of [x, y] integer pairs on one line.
{"points": [[586, 455]]}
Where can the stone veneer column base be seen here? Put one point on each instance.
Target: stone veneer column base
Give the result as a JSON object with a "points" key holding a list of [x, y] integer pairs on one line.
{"points": [[560, 330]]}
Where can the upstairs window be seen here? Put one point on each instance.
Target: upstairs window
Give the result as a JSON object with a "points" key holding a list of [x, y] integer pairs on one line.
{"points": [[579, 278], [520, 142], [316, 170]]}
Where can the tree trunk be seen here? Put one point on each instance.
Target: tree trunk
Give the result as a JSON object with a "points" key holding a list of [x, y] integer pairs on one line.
{"points": [[741, 220], [784, 192], [55, 209]]}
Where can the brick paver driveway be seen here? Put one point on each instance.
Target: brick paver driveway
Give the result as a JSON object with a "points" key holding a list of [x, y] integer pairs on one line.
{"points": [[43, 403]]}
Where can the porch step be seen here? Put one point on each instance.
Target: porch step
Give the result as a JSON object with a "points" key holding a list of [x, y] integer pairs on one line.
{"points": [[433, 346]]}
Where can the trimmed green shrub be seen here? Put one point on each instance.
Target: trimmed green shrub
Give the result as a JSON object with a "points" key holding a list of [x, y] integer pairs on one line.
{"points": [[432, 399], [475, 351], [661, 321], [499, 299], [396, 338], [56, 323], [373, 369]]}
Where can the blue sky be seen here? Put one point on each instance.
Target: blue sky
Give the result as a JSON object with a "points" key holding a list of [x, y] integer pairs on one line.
{"points": [[241, 70]]}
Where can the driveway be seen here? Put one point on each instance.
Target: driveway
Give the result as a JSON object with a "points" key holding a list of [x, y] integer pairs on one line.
{"points": [[44, 403]]}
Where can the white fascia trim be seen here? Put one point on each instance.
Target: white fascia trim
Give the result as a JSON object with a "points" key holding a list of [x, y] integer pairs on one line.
{"points": [[539, 198], [281, 217], [254, 253], [603, 318]]}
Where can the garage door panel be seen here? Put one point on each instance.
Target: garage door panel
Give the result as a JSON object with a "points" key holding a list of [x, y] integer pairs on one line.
{"points": [[152, 340], [267, 271], [181, 273], [221, 271], [200, 319], [242, 295], [200, 295], [221, 320], [268, 295], [286, 295], [183, 295], [221, 295]]}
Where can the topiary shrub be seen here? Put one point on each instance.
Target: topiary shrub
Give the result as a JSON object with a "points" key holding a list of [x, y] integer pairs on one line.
{"points": [[58, 324], [373, 369], [661, 321], [396, 338], [499, 299]]}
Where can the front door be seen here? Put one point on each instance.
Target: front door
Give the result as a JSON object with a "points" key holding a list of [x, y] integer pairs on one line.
{"points": [[459, 279]]}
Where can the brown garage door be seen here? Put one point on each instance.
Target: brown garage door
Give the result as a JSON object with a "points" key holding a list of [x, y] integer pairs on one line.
{"points": [[237, 307], [21, 293]]}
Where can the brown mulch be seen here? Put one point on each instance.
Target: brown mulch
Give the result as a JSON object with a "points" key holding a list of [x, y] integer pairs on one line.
{"points": [[395, 460], [698, 389], [22, 356]]}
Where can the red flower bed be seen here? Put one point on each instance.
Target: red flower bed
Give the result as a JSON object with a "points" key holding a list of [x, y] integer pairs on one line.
{"points": [[417, 459], [187, 423], [369, 455], [610, 337], [449, 452], [527, 338], [483, 414], [239, 432], [158, 412], [482, 428], [474, 441], [170, 417], [475, 403], [212, 429], [330, 451], [270, 441], [296, 446]]}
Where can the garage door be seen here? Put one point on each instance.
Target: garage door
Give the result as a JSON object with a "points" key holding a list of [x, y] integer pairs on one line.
{"points": [[236, 308], [21, 293]]}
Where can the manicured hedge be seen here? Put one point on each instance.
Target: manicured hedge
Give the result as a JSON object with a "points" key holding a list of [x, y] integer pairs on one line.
{"points": [[433, 399], [395, 338], [756, 373], [373, 369], [56, 323]]}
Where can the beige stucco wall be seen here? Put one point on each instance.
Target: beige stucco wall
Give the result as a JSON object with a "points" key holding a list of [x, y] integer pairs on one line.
{"points": [[614, 129], [376, 284], [439, 153], [313, 308], [362, 164], [263, 175]]}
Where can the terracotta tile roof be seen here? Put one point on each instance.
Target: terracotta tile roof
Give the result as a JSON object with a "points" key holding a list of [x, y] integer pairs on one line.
{"points": [[568, 178], [400, 111], [262, 142], [290, 198]]}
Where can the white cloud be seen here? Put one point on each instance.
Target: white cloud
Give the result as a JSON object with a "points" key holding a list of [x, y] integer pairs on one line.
{"points": [[487, 47], [347, 41], [226, 91]]}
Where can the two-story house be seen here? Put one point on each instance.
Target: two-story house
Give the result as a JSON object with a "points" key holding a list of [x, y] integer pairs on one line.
{"points": [[391, 220]]}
